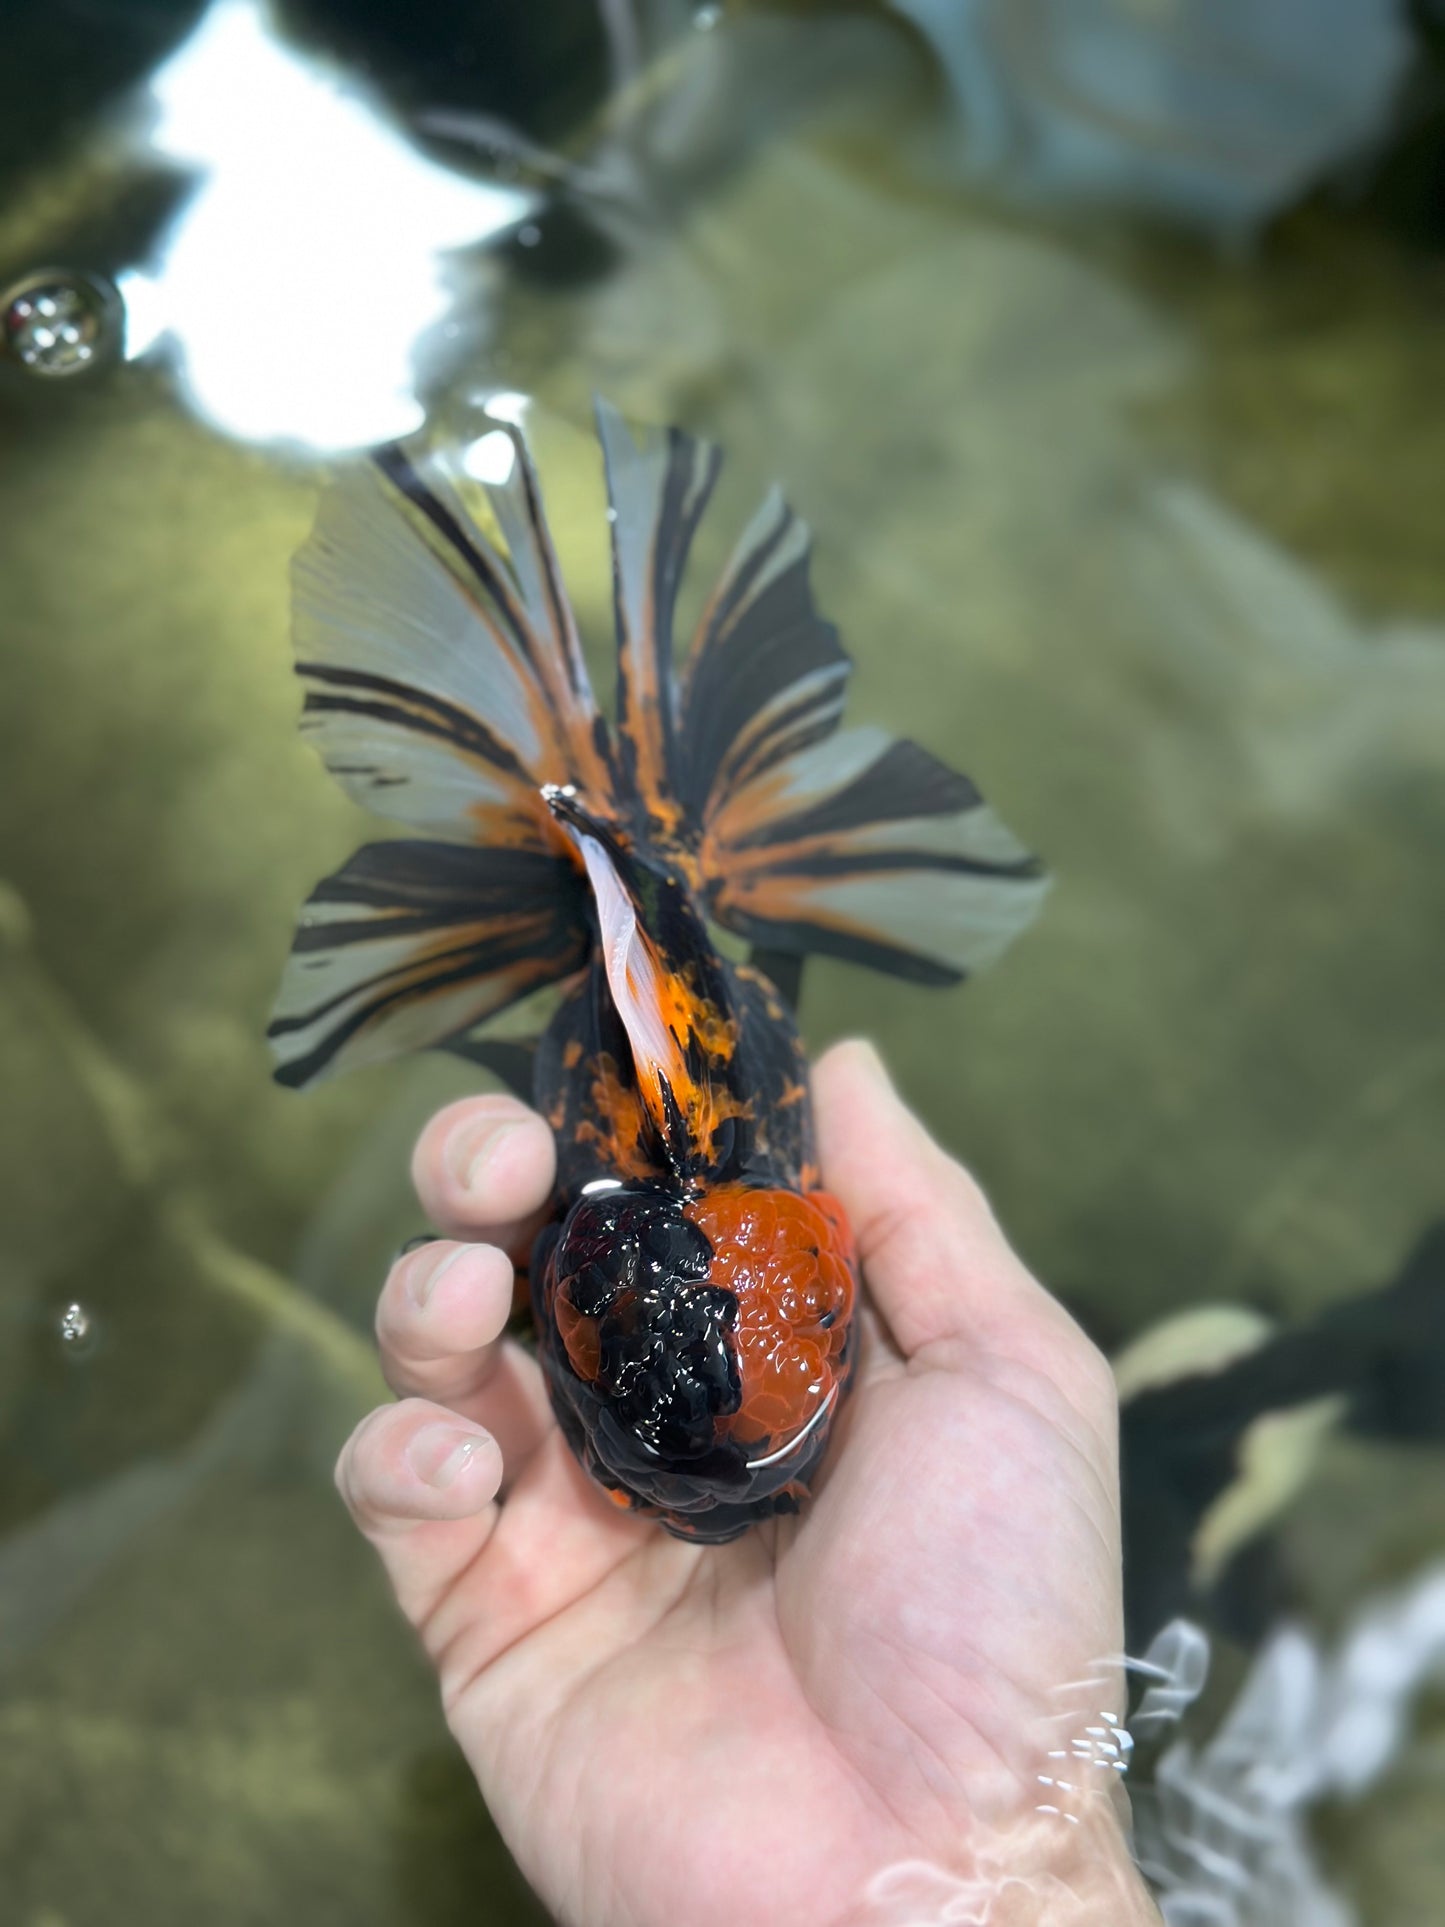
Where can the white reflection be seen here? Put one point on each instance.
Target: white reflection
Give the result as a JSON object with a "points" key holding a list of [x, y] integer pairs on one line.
{"points": [[298, 279], [490, 459], [1223, 1830], [505, 405]]}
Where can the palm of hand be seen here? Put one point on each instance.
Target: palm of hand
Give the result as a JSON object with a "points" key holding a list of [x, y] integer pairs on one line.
{"points": [[699, 1735]]}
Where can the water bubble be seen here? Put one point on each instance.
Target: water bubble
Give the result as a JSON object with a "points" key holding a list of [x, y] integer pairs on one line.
{"points": [[77, 1330], [706, 18], [528, 234], [56, 322]]}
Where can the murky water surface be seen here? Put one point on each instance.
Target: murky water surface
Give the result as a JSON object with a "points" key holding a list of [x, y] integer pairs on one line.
{"points": [[1108, 373]]}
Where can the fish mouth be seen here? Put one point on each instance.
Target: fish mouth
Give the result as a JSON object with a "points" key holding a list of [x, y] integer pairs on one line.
{"points": [[564, 800]]}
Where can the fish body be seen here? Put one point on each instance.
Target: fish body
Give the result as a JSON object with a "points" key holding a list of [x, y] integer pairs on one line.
{"points": [[694, 1290], [694, 1306]]}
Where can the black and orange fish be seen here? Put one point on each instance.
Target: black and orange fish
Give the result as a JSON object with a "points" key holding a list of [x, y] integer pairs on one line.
{"points": [[694, 1293]]}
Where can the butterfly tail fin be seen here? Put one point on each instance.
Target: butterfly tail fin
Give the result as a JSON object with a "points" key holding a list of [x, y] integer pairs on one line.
{"points": [[444, 687], [806, 837]]}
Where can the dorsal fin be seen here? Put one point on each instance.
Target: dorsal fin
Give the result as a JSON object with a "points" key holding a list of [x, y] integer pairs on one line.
{"points": [[670, 990]]}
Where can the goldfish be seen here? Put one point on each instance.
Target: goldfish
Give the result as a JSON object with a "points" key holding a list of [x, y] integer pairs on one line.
{"points": [[695, 1291], [1226, 1416]]}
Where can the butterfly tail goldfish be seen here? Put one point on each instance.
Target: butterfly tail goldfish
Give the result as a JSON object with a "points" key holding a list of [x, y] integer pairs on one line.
{"points": [[694, 1293]]}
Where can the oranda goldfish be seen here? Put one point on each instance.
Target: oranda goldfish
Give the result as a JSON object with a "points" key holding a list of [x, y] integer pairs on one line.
{"points": [[695, 1291]]}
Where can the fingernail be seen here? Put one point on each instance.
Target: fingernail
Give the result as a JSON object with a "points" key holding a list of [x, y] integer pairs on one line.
{"points": [[440, 1454], [422, 1277], [471, 1147]]}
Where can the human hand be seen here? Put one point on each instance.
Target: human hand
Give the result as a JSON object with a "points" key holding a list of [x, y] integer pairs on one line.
{"points": [[671, 1735]]}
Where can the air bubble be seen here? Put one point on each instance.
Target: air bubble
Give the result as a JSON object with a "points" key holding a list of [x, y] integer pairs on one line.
{"points": [[77, 1329], [56, 323], [74, 1324]]}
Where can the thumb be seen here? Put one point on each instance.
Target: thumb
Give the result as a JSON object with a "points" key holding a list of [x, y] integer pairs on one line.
{"points": [[937, 1265]]}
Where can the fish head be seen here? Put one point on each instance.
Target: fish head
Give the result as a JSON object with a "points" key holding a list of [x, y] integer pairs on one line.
{"points": [[698, 1344]]}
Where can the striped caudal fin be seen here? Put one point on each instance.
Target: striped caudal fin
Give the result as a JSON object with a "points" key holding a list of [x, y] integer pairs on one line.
{"points": [[443, 675], [865, 847], [413, 943], [658, 487], [445, 686]]}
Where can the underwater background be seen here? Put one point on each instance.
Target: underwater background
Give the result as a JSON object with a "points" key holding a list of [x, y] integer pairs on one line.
{"points": [[1102, 345]]}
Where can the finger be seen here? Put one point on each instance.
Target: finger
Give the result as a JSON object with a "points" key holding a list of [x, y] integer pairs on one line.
{"points": [[439, 1324], [937, 1265], [484, 1168], [422, 1484], [558, 1539]]}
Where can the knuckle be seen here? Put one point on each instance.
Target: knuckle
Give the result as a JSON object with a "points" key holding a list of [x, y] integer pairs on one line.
{"points": [[399, 1378], [1095, 1376], [966, 1195]]}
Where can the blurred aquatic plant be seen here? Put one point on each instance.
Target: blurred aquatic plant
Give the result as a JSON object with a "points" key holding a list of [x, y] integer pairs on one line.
{"points": [[146, 1157], [1318, 700], [310, 1376], [1213, 113]]}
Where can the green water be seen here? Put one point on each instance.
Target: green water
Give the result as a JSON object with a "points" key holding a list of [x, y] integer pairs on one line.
{"points": [[1143, 533]]}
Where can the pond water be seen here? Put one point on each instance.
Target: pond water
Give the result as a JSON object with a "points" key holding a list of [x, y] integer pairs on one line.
{"points": [[1103, 351]]}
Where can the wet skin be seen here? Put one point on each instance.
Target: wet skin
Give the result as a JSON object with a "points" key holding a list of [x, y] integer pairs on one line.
{"points": [[668, 1732]]}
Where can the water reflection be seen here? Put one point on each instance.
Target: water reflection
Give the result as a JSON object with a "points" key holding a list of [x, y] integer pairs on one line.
{"points": [[302, 274], [1222, 1823]]}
